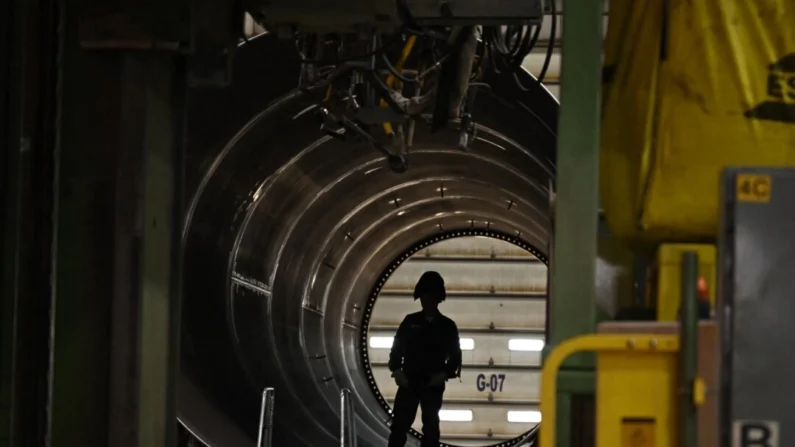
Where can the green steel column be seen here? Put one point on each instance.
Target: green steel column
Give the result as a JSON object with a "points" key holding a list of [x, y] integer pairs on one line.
{"points": [[689, 348], [563, 413], [572, 304], [573, 297], [118, 243], [160, 276]]}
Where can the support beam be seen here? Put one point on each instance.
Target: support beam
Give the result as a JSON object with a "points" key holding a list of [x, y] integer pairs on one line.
{"points": [[28, 112], [572, 306], [116, 328], [688, 353], [572, 303], [12, 173]]}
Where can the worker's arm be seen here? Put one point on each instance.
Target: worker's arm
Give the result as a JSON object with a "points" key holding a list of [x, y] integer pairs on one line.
{"points": [[398, 348], [453, 366]]}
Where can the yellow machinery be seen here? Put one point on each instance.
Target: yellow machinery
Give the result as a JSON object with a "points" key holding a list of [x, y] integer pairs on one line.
{"points": [[640, 369], [690, 88], [637, 389], [650, 384]]}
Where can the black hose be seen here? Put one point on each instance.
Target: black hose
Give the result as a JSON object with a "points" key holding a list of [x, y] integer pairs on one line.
{"points": [[394, 71], [384, 92], [551, 46], [508, 46], [550, 50]]}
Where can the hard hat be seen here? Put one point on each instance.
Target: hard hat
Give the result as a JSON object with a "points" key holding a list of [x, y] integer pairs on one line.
{"points": [[430, 283]]}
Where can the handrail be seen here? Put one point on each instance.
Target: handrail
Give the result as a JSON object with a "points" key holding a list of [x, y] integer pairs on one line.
{"points": [[265, 436], [347, 420], [594, 342]]}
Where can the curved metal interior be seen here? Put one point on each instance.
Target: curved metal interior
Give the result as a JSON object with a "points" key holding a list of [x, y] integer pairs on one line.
{"points": [[289, 231]]}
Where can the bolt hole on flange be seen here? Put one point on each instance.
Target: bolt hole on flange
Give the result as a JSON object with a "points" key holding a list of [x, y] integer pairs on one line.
{"points": [[267, 208], [489, 275]]}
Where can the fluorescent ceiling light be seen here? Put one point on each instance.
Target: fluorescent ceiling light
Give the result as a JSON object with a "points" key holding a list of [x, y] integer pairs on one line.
{"points": [[525, 344], [381, 342], [455, 415], [527, 417], [467, 344]]}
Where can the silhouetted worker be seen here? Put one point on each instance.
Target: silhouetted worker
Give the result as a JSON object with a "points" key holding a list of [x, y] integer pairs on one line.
{"points": [[426, 352]]}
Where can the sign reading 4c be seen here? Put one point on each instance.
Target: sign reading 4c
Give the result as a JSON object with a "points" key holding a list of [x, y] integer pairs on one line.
{"points": [[753, 188]]}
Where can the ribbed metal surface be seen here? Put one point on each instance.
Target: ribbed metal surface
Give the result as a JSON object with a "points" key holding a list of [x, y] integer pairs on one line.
{"points": [[477, 275], [290, 231], [497, 300]]}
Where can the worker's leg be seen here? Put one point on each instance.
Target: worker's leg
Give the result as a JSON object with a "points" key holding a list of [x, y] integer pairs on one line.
{"points": [[431, 403], [403, 414]]}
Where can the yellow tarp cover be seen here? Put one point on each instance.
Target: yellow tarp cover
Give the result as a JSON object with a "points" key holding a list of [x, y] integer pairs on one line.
{"points": [[690, 87]]}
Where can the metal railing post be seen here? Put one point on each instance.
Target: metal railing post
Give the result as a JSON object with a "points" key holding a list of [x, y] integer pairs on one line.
{"points": [[347, 420], [688, 351], [265, 437]]}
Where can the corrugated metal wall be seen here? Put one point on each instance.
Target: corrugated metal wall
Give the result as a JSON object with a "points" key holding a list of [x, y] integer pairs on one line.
{"points": [[496, 296]]}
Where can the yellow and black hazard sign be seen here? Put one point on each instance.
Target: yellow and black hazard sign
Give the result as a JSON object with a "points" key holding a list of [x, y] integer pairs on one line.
{"points": [[754, 188], [637, 432]]}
